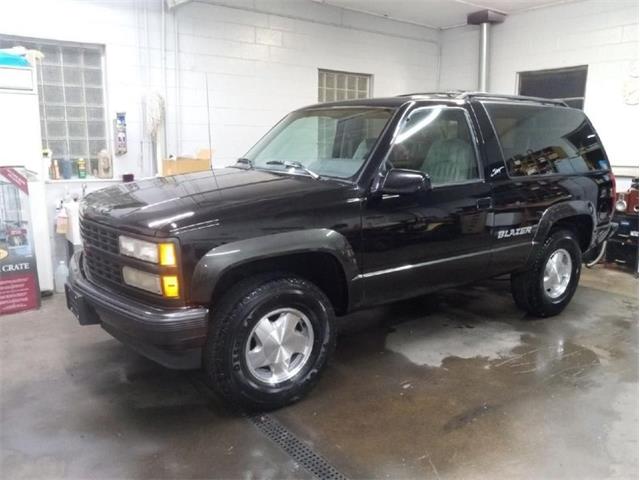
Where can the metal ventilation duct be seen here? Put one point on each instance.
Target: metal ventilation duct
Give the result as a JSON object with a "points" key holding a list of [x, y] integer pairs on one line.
{"points": [[484, 18]]}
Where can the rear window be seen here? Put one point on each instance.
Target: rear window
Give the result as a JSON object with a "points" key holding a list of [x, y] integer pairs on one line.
{"points": [[544, 140]]}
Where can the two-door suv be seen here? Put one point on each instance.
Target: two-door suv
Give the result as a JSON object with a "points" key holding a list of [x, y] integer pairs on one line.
{"points": [[243, 270]]}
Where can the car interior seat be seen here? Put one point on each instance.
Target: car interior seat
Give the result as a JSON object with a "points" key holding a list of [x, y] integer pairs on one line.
{"points": [[450, 159]]}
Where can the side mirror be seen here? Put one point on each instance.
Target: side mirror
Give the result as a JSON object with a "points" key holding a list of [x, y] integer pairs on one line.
{"points": [[400, 181]]}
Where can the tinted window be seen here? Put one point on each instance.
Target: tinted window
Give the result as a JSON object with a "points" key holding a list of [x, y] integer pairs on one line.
{"points": [[437, 141], [543, 140]]}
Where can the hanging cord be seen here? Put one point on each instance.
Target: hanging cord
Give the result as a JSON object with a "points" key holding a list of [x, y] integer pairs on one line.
{"points": [[213, 171]]}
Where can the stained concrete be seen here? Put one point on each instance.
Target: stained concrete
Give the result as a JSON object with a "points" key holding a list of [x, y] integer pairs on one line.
{"points": [[459, 384]]}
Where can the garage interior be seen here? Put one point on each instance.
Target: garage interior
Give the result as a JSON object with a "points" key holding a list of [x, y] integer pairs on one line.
{"points": [[456, 384]]}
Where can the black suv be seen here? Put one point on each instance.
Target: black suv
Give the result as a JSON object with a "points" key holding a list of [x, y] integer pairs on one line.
{"points": [[243, 270]]}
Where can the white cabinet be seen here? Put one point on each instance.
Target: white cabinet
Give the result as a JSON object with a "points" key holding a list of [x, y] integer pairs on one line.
{"points": [[21, 146]]}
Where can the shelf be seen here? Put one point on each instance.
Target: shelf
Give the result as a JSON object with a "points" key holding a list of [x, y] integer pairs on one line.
{"points": [[84, 180]]}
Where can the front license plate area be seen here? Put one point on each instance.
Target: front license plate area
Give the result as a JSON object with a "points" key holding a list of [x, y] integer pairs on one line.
{"points": [[76, 302]]}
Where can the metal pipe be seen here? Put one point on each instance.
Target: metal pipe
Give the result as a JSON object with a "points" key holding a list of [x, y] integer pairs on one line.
{"points": [[176, 76], [483, 68], [599, 257], [163, 154], [484, 18]]}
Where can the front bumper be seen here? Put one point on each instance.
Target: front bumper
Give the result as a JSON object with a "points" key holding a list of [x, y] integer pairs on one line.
{"points": [[173, 337]]}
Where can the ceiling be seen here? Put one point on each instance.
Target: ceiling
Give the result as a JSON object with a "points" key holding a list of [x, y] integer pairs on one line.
{"points": [[437, 13]]}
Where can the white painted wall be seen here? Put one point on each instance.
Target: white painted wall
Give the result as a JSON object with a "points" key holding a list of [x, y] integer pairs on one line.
{"points": [[459, 58], [260, 58], [118, 26], [602, 34], [262, 64]]}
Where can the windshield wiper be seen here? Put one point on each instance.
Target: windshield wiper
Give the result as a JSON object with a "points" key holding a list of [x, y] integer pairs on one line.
{"points": [[245, 162], [297, 165]]}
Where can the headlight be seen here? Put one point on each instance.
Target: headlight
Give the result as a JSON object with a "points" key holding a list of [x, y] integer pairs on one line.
{"points": [[166, 285], [159, 253], [143, 280], [621, 206]]}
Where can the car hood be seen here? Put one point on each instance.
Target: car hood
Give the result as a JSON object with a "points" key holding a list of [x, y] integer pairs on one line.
{"points": [[166, 205]]}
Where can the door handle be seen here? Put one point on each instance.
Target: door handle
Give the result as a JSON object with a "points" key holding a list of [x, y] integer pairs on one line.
{"points": [[484, 203]]}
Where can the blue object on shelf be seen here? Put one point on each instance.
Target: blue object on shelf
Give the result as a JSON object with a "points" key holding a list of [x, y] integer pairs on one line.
{"points": [[66, 167], [13, 60]]}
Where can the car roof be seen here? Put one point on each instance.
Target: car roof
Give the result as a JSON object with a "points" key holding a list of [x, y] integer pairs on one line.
{"points": [[455, 97], [384, 102]]}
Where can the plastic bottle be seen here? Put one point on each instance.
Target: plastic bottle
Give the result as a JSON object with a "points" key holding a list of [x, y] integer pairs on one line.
{"points": [[61, 276], [82, 168], [55, 170]]}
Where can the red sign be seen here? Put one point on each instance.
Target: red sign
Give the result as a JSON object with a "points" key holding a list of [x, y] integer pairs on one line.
{"points": [[18, 272], [16, 178], [18, 292]]}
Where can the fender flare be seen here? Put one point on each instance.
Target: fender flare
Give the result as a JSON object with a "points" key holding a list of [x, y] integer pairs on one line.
{"points": [[221, 259], [557, 212]]}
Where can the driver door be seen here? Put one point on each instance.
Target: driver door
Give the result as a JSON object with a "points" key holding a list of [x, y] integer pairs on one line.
{"points": [[417, 243]]}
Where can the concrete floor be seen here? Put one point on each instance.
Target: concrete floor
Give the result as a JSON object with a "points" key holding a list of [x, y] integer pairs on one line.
{"points": [[455, 385]]}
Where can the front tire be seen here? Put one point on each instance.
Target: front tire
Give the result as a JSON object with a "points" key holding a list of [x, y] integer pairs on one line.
{"points": [[269, 339], [548, 286]]}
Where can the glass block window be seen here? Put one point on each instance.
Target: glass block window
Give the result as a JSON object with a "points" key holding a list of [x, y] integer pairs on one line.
{"points": [[72, 101], [335, 86]]}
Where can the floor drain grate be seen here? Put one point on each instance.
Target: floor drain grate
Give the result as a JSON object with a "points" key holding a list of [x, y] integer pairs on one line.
{"points": [[298, 450]]}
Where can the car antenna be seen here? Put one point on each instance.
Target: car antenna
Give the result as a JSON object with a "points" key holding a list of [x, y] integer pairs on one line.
{"points": [[213, 171]]}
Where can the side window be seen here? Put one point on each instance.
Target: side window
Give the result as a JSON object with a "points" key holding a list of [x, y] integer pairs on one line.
{"points": [[437, 141], [543, 140]]}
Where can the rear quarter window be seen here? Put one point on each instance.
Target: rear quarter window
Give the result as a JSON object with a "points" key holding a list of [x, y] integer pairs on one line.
{"points": [[546, 140]]}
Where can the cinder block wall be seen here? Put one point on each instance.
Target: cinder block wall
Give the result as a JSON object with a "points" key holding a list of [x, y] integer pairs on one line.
{"points": [[602, 34], [262, 64], [260, 58]]}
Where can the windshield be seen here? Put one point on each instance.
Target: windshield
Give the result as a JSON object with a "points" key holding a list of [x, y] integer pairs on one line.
{"points": [[332, 142]]}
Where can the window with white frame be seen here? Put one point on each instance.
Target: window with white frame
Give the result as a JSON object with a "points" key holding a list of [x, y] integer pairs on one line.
{"points": [[72, 104], [335, 86]]}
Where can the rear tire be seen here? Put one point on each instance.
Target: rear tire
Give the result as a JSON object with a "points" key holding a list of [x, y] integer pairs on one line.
{"points": [[548, 286], [269, 339]]}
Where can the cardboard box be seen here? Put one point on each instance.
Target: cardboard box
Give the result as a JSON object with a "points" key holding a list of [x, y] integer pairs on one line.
{"points": [[199, 163]]}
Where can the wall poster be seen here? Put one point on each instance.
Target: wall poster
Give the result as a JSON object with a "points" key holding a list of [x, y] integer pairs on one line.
{"points": [[19, 288]]}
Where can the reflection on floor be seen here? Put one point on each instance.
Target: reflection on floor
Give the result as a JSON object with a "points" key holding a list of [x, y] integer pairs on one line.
{"points": [[455, 385]]}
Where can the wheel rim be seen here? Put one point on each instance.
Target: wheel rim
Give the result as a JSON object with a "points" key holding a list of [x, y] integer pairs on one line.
{"points": [[279, 345], [557, 273]]}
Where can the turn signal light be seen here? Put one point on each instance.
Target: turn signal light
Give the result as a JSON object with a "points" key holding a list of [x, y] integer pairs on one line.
{"points": [[167, 254], [170, 286]]}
